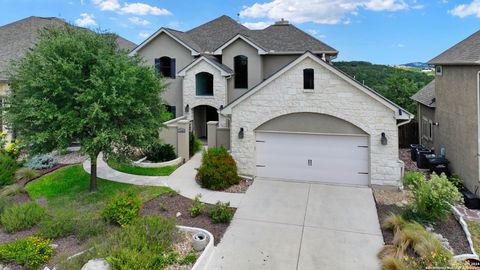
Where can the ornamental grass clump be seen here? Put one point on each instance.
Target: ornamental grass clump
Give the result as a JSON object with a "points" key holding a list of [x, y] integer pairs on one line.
{"points": [[218, 170], [21, 216]]}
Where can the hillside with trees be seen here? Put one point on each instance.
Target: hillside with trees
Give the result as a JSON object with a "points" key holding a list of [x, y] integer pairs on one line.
{"points": [[396, 84]]}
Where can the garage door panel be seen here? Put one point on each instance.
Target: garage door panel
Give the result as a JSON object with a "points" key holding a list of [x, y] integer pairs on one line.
{"points": [[333, 159]]}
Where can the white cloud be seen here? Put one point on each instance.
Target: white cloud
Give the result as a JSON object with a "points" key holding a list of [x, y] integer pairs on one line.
{"points": [[389, 5], [400, 45], [105, 5], [318, 11], [465, 10], [138, 21], [144, 35], [86, 20], [257, 25], [144, 9]]}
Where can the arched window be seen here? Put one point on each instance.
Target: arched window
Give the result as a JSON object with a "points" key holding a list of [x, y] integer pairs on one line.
{"points": [[204, 84], [308, 78], [165, 66], [240, 65]]}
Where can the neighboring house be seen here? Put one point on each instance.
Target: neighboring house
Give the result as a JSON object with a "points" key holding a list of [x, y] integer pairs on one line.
{"points": [[290, 113], [18, 37], [451, 106], [425, 99]]}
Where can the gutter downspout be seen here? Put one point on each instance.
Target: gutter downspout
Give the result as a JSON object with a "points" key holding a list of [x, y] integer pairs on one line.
{"points": [[478, 124]]}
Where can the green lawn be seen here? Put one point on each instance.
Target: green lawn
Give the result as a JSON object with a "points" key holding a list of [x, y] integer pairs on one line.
{"points": [[70, 185], [474, 228], [127, 168]]}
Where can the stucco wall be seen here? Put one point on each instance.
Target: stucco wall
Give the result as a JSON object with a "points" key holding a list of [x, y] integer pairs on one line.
{"points": [[240, 47], [456, 113], [428, 113], [4, 88], [331, 96], [163, 45], [219, 89], [273, 63]]}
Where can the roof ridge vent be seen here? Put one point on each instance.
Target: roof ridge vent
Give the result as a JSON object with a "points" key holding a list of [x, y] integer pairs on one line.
{"points": [[282, 22]]}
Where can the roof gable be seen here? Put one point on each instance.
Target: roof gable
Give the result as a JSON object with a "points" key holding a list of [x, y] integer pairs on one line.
{"points": [[224, 70], [465, 52], [426, 95], [181, 39], [235, 38], [400, 113]]}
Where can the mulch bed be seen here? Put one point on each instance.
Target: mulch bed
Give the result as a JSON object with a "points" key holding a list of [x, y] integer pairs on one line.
{"points": [[448, 228], [410, 165], [181, 204], [241, 187]]}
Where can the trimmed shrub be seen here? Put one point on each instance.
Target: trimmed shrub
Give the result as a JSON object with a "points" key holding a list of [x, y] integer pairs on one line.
{"points": [[197, 206], [159, 152], [432, 199], [195, 144], [8, 166], [218, 170], [221, 213], [30, 252], [21, 216], [26, 174], [123, 209], [41, 162]]}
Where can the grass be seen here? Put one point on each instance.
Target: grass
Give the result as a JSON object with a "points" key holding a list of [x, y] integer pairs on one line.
{"points": [[127, 168], [474, 228]]}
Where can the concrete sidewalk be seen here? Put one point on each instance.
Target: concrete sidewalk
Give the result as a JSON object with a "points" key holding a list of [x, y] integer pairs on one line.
{"points": [[181, 180], [286, 225]]}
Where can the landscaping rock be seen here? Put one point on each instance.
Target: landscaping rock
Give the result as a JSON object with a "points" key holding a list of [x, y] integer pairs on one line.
{"points": [[2, 267], [178, 214], [54, 246], [96, 264]]}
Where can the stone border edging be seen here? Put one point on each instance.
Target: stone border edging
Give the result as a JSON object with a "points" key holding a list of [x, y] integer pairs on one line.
{"points": [[202, 261], [141, 163], [464, 225]]}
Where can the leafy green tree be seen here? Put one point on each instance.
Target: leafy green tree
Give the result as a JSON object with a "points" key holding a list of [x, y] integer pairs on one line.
{"points": [[76, 85], [400, 89]]}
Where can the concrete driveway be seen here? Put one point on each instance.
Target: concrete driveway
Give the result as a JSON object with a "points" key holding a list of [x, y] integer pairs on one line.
{"points": [[288, 225]]}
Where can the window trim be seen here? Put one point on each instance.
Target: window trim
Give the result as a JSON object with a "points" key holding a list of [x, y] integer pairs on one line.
{"points": [[308, 83], [236, 83], [171, 67], [430, 130], [213, 85], [439, 70]]}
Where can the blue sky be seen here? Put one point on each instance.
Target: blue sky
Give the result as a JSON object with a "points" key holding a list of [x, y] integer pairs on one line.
{"points": [[379, 31]]}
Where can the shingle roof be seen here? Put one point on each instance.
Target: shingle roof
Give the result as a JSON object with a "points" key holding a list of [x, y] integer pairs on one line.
{"points": [[17, 37], [218, 64], [281, 37], [426, 95], [466, 51], [210, 59]]}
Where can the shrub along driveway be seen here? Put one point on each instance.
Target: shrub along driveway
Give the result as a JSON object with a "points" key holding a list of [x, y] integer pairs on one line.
{"points": [[286, 225]]}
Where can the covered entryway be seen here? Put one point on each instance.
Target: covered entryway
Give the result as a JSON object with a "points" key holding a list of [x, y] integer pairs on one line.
{"points": [[201, 116], [312, 147]]}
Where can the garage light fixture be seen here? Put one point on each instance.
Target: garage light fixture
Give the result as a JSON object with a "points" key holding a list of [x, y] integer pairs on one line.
{"points": [[384, 139], [187, 108], [240, 133]]}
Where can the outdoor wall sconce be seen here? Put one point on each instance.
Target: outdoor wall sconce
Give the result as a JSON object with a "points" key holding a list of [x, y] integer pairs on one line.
{"points": [[240, 133], [221, 107], [384, 139], [187, 108]]}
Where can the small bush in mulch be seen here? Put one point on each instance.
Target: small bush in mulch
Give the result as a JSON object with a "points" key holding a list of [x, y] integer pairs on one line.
{"points": [[218, 170], [31, 252], [159, 152], [21, 216], [197, 206], [41, 162], [123, 209], [221, 213]]}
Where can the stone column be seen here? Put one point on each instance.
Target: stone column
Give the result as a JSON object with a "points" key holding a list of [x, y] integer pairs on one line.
{"points": [[183, 143], [212, 134]]}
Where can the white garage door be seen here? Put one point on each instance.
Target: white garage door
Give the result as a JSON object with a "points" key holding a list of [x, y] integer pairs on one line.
{"points": [[317, 158]]}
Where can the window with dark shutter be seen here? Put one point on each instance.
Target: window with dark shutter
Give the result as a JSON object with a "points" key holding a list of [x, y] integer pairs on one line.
{"points": [[308, 78], [165, 67], [240, 64]]}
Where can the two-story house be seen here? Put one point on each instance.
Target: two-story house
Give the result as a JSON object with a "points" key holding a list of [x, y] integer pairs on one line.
{"points": [[291, 114], [449, 109]]}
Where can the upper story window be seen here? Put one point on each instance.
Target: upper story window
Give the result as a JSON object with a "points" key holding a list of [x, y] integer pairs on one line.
{"points": [[439, 70], [165, 66], [240, 65], [204, 84], [308, 78]]}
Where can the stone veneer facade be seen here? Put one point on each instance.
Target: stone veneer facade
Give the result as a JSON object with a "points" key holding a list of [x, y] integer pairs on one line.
{"points": [[333, 96], [219, 97]]}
